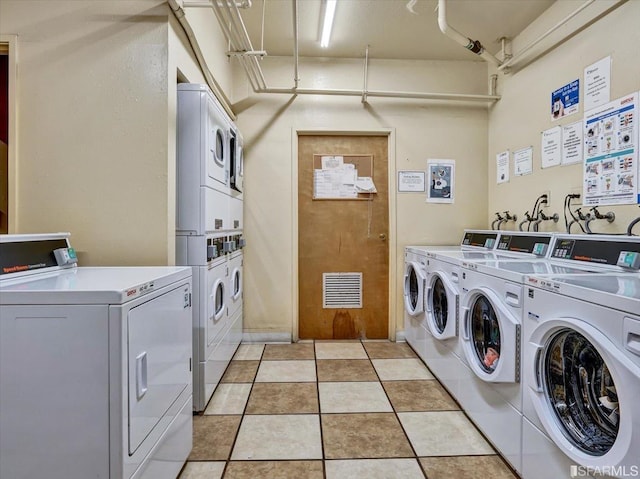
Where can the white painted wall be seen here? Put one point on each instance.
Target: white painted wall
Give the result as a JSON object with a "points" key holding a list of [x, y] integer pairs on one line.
{"points": [[422, 130], [517, 120]]}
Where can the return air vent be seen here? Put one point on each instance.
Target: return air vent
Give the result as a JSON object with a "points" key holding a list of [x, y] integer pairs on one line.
{"points": [[341, 290]]}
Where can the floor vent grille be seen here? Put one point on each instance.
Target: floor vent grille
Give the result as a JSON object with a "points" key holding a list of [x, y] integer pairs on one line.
{"points": [[341, 290]]}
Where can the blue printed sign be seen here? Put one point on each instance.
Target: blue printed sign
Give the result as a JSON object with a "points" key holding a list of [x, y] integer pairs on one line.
{"points": [[565, 100]]}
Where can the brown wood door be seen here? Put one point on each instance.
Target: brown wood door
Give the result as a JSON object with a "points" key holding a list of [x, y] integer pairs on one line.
{"points": [[343, 236]]}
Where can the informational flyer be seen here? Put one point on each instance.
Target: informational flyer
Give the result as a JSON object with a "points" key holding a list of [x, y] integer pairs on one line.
{"points": [[551, 147], [565, 100], [572, 143], [502, 167], [523, 161], [597, 83], [611, 153], [411, 181], [442, 177]]}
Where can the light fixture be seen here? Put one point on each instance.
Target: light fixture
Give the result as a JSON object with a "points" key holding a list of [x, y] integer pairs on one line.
{"points": [[327, 21]]}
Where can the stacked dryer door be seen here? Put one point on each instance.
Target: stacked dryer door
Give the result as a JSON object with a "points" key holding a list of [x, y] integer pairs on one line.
{"points": [[209, 226], [581, 372]]}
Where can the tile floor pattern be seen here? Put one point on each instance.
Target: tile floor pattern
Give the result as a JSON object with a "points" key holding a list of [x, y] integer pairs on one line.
{"points": [[346, 409]]}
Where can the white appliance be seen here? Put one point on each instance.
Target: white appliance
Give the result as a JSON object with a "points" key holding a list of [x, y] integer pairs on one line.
{"points": [[95, 365], [203, 153], [217, 330], [442, 297], [209, 227], [581, 374], [491, 312], [416, 289]]}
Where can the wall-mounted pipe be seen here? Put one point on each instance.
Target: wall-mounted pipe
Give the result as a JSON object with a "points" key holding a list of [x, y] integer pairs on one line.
{"points": [[631, 226], [179, 13], [472, 45], [296, 76], [532, 44]]}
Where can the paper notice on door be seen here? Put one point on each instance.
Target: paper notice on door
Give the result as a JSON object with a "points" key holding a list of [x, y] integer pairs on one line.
{"points": [[334, 183], [330, 162], [364, 184]]}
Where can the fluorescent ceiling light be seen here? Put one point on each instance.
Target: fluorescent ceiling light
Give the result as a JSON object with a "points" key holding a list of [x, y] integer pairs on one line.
{"points": [[327, 22]]}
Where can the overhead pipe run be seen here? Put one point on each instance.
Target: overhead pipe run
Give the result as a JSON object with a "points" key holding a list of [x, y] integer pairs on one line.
{"points": [[232, 25], [473, 46]]}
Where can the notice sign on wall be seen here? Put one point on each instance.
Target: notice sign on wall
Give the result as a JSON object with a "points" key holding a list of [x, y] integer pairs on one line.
{"points": [[572, 143], [597, 83], [413, 181], [551, 153], [523, 161], [611, 153], [441, 175], [565, 100], [502, 167]]}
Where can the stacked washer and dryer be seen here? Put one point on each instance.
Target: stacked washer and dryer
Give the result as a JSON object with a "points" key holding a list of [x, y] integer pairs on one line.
{"points": [[209, 226]]}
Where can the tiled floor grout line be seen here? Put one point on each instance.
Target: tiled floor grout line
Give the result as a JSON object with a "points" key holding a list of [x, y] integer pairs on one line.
{"points": [[415, 454], [324, 457]]}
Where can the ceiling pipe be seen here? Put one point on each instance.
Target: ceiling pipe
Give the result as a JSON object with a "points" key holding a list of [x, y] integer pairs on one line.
{"points": [[296, 77], [529, 46], [472, 45], [179, 13], [366, 69], [229, 18]]}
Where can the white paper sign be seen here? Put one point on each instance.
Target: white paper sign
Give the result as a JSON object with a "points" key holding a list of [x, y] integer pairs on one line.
{"points": [[611, 153], [572, 143], [329, 162], [550, 150], [502, 167], [597, 83], [523, 161], [411, 181]]}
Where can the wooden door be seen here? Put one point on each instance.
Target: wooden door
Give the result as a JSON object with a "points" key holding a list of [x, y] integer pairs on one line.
{"points": [[343, 236]]}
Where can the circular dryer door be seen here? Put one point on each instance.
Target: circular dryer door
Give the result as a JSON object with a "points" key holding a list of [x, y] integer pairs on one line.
{"points": [[585, 392], [236, 284], [442, 306], [490, 337], [414, 285]]}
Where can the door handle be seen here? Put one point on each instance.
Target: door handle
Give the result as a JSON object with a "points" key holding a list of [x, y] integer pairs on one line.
{"points": [[382, 236]]}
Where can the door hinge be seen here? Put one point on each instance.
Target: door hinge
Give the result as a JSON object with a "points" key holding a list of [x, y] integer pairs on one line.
{"points": [[190, 365]]}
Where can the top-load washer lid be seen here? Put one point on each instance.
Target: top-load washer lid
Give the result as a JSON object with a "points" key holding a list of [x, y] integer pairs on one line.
{"points": [[619, 291], [90, 285], [516, 270]]}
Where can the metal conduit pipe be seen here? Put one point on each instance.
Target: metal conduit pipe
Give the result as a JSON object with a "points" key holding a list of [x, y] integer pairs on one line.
{"points": [[472, 45], [529, 46], [382, 94], [179, 13], [296, 77]]}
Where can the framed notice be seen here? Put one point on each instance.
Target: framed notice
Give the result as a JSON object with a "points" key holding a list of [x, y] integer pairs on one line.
{"points": [[411, 181], [441, 177]]}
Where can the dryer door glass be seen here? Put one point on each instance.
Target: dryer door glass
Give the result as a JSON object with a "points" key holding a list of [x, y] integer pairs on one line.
{"points": [[439, 305], [412, 288], [236, 283], [485, 334], [218, 305], [581, 392]]}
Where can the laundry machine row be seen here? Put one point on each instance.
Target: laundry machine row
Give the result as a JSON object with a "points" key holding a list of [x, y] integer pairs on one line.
{"points": [[209, 228], [492, 311]]}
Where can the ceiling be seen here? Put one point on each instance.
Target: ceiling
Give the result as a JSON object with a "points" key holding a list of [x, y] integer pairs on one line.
{"points": [[388, 27]]}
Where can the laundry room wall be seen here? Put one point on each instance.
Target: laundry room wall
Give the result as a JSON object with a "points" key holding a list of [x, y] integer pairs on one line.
{"points": [[92, 126], [423, 130], [518, 119]]}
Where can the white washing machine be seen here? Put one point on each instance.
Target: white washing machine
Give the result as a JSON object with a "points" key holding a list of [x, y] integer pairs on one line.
{"points": [[215, 337], [414, 287], [491, 312], [442, 297], [581, 374], [203, 156], [95, 365], [236, 160]]}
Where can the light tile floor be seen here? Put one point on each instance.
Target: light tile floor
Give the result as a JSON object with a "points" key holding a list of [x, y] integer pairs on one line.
{"points": [[335, 410]]}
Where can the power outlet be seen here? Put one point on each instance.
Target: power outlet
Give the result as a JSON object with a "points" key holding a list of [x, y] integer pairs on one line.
{"points": [[548, 203], [576, 190]]}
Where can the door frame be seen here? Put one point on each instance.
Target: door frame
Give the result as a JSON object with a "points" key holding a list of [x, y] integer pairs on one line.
{"points": [[11, 41], [390, 133]]}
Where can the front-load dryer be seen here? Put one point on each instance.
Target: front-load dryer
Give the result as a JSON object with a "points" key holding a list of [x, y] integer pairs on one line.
{"points": [[581, 374], [413, 293]]}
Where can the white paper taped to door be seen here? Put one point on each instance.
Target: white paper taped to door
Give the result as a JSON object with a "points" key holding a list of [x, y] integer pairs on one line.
{"points": [[364, 184]]}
